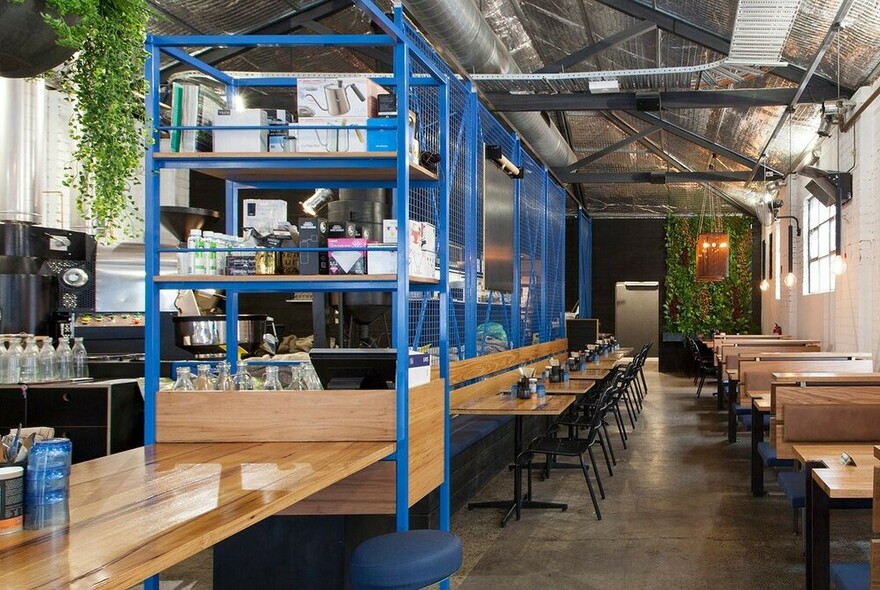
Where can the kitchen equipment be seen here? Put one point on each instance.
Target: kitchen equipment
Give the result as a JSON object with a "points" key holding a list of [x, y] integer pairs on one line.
{"points": [[336, 95], [180, 220], [205, 336]]}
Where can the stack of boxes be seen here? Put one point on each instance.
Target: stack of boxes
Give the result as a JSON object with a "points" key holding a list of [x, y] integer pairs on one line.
{"points": [[422, 244]]}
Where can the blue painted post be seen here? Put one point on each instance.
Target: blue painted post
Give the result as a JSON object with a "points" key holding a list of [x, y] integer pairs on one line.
{"points": [[585, 278], [545, 263], [516, 335], [231, 294], [443, 224], [471, 256]]}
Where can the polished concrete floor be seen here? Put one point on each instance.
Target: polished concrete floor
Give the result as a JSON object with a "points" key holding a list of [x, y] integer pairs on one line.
{"points": [[678, 514]]}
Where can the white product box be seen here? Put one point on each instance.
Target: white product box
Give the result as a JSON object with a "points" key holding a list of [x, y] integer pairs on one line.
{"points": [[263, 214], [422, 235], [419, 368], [383, 262], [241, 140], [337, 97], [333, 140]]}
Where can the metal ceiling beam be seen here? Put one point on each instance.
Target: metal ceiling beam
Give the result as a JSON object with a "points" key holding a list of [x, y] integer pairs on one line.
{"points": [[697, 139], [833, 31], [675, 162], [589, 51], [286, 24], [670, 99], [657, 177], [612, 148], [709, 39], [380, 54]]}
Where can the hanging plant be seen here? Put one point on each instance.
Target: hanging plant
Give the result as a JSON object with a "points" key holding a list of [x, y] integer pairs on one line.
{"points": [[105, 82]]}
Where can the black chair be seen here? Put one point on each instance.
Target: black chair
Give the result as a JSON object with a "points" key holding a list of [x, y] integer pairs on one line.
{"points": [[553, 447], [705, 368]]}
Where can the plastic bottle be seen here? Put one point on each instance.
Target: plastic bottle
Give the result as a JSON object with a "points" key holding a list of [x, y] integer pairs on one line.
{"points": [[242, 379], [272, 383], [210, 241], [204, 381], [184, 380], [197, 259], [80, 358], [64, 358]]}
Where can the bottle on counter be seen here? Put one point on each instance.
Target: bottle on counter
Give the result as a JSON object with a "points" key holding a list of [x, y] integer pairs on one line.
{"points": [[272, 383], [80, 358], [204, 380], [13, 360], [48, 363], [30, 361], [223, 382], [64, 359], [184, 380], [242, 379]]}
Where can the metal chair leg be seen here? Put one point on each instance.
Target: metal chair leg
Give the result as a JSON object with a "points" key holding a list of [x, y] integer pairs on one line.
{"points": [[590, 488], [605, 453], [596, 472], [608, 442]]}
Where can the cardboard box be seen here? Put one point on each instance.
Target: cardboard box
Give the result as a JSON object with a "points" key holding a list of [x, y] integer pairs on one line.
{"points": [[322, 98], [419, 368], [333, 140], [263, 215], [241, 140], [420, 262], [383, 139], [347, 262], [349, 229], [313, 234]]}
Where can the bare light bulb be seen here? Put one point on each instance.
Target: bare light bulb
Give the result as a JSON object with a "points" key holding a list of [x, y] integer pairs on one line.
{"points": [[838, 264], [790, 280], [765, 284]]}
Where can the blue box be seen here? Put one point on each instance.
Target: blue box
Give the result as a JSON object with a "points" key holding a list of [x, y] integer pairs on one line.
{"points": [[381, 138]]}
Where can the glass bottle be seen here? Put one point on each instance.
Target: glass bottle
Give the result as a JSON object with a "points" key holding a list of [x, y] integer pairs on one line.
{"points": [[3, 360], [64, 358], [13, 360], [223, 382], [297, 378], [30, 361], [80, 358], [242, 379], [48, 363], [204, 381], [272, 383], [184, 380]]}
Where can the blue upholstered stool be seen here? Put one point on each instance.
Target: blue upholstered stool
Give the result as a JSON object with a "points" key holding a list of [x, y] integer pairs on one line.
{"points": [[405, 561], [851, 576]]}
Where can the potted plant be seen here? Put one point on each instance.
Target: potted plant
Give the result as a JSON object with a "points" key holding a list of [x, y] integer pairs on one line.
{"points": [[105, 80]]}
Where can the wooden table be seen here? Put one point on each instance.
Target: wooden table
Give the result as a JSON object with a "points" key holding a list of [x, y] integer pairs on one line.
{"points": [[135, 513], [831, 485], [504, 404], [589, 374], [570, 387]]}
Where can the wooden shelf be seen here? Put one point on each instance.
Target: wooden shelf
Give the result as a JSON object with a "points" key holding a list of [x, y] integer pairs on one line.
{"points": [[290, 279], [280, 166]]}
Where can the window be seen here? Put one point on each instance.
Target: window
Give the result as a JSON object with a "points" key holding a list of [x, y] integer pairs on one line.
{"points": [[818, 246]]}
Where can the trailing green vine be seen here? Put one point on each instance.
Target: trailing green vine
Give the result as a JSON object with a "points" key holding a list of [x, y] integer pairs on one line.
{"points": [[693, 307], [105, 82]]}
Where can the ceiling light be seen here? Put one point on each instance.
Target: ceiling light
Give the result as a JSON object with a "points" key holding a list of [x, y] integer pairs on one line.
{"points": [[824, 129], [838, 264], [603, 86], [765, 284]]}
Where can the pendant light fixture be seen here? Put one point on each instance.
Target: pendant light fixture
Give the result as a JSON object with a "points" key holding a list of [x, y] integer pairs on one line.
{"points": [[838, 261], [713, 246], [765, 284], [790, 279]]}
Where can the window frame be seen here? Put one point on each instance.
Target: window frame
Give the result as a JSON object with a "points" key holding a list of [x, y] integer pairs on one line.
{"points": [[819, 246]]}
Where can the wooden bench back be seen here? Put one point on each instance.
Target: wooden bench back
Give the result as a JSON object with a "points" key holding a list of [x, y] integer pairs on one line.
{"points": [[756, 374], [719, 341], [875, 543], [502, 369], [824, 413], [755, 347]]}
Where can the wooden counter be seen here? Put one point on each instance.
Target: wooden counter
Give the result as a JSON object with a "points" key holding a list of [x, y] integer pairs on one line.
{"points": [[136, 513]]}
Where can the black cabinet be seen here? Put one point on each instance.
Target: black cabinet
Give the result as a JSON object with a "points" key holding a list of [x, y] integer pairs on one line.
{"points": [[99, 418]]}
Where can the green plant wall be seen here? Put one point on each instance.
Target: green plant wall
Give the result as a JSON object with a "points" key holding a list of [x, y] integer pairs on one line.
{"points": [[693, 307]]}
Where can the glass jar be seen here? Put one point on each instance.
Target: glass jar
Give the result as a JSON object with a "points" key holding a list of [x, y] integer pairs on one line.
{"points": [[80, 358], [204, 380], [298, 378], [48, 364], [64, 359], [223, 382], [271, 382], [30, 361], [184, 380], [3, 360], [242, 379]]}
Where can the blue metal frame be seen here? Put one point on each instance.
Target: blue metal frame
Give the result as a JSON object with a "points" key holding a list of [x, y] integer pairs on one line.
{"points": [[585, 263]]}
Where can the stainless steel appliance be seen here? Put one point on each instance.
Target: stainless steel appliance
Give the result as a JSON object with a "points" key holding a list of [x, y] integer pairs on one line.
{"points": [[205, 335]]}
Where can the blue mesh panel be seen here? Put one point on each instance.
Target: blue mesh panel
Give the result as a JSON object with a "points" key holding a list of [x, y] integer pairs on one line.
{"points": [[555, 300], [531, 243]]}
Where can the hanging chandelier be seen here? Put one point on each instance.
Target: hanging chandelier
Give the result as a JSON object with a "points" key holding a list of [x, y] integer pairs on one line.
{"points": [[713, 246]]}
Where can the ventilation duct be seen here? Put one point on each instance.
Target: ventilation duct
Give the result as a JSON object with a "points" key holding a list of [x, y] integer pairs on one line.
{"points": [[459, 27], [22, 149]]}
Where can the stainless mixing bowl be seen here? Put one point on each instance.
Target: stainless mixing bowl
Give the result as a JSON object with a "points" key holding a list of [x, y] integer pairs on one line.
{"points": [[206, 334]]}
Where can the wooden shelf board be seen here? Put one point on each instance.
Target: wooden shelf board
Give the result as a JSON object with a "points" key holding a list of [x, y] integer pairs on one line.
{"points": [[235, 166], [288, 278]]}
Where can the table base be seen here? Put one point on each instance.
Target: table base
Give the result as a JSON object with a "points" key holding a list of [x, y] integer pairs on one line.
{"points": [[513, 508]]}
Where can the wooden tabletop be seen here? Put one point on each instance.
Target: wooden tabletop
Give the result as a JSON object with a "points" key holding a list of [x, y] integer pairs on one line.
{"points": [[846, 482], [135, 513], [733, 374], [588, 374], [826, 376], [503, 404], [829, 453], [762, 403], [571, 387]]}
